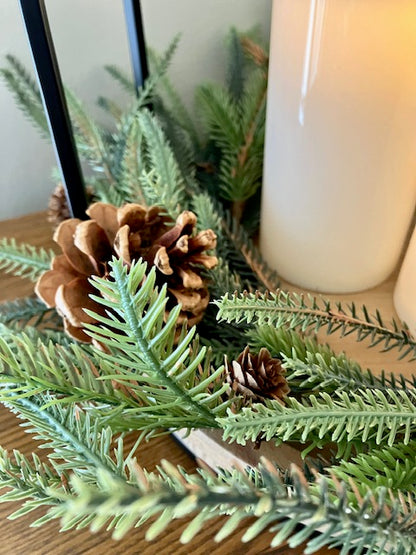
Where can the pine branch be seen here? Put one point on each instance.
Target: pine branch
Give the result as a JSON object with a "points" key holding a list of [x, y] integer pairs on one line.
{"points": [[367, 415], [234, 247], [255, 52], [89, 138], [339, 374], [237, 128], [174, 494], [26, 93], [143, 347], [174, 101], [220, 115], [312, 366], [70, 373], [182, 145], [236, 66], [241, 170], [75, 374], [251, 257], [30, 481], [208, 215], [24, 260], [127, 163], [120, 77], [289, 343], [223, 279], [27, 311], [391, 467], [111, 107], [77, 443], [163, 179], [147, 92], [307, 312]]}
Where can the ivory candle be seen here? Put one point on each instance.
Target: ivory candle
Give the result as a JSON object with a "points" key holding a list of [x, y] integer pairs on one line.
{"points": [[340, 157], [405, 290]]}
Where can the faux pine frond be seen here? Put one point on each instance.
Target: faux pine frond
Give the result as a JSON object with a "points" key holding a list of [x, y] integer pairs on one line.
{"points": [[127, 163], [143, 351], [208, 214], [111, 107], [78, 445], [70, 373], [241, 171], [391, 467], [24, 260], [27, 311], [236, 65], [236, 125], [238, 497], [163, 181], [255, 51], [290, 343], [306, 312], [89, 138], [376, 416], [312, 366], [234, 247], [220, 115], [245, 258], [317, 373], [26, 92], [30, 481], [173, 101], [121, 78], [183, 148], [148, 91]]}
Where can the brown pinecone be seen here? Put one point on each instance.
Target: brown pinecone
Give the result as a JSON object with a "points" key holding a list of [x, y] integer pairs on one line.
{"points": [[258, 377], [58, 210], [130, 232]]}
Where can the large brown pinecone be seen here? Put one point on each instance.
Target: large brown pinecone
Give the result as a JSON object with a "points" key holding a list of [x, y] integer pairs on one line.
{"points": [[258, 377], [130, 232]]}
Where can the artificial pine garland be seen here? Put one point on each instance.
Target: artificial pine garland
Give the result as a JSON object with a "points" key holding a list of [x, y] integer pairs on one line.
{"points": [[252, 368]]}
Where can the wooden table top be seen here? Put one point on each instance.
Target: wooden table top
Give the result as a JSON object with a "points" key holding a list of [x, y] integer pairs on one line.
{"points": [[18, 538]]}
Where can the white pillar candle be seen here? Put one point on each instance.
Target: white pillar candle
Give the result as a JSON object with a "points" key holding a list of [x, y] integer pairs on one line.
{"points": [[405, 290], [340, 157]]}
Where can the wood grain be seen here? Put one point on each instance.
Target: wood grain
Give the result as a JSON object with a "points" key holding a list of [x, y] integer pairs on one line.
{"points": [[17, 538]]}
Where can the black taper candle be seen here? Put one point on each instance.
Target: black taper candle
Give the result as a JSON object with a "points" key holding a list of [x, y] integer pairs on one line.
{"points": [[53, 96], [136, 40]]}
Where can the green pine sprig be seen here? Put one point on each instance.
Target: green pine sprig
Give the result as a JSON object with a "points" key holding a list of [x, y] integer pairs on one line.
{"points": [[30, 482], [304, 312], [28, 311], [391, 467], [342, 418], [24, 260], [161, 178], [238, 497], [26, 93], [142, 347]]}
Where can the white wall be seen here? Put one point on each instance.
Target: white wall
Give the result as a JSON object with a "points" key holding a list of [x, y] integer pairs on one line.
{"points": [[89, 34]]}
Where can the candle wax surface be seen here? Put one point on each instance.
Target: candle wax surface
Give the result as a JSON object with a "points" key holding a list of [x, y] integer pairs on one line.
{"points": [[340, 158]]}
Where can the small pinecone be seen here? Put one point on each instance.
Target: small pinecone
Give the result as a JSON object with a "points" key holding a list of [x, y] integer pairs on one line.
{"points": [[130, 232], [58, 210], [258, 377]]}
